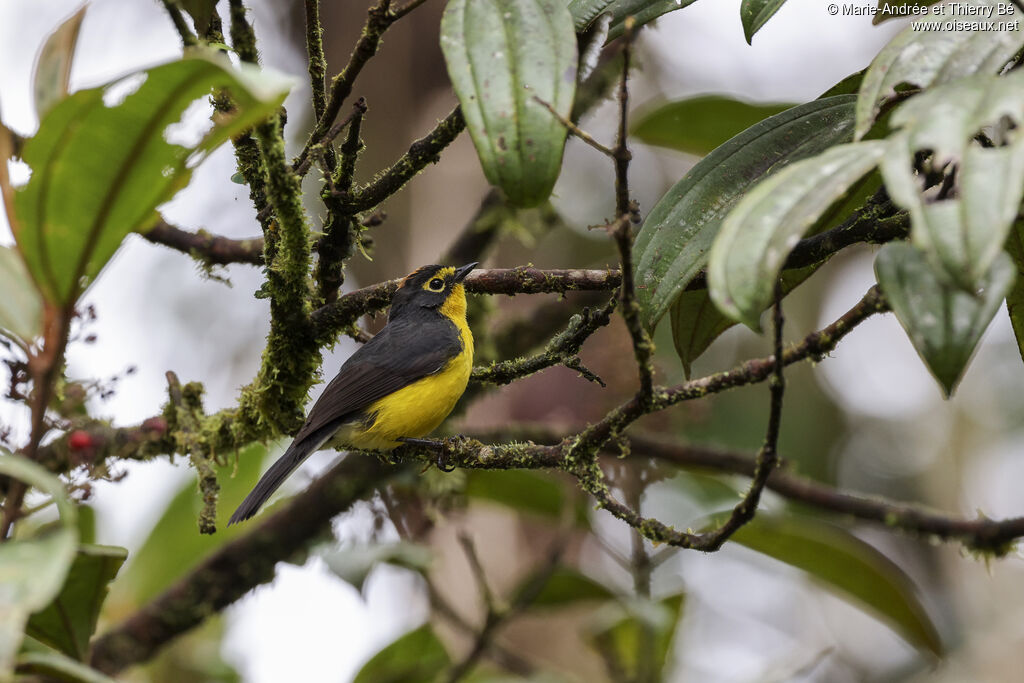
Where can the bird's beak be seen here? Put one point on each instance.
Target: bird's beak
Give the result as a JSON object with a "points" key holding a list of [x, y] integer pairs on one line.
{"points": [[461, 273]]}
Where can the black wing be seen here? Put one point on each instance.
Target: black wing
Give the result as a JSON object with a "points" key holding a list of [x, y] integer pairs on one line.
{"points": [[400, 354]]}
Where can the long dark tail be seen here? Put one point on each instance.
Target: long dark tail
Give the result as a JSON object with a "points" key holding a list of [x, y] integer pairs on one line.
{"points": [[278, 472]]}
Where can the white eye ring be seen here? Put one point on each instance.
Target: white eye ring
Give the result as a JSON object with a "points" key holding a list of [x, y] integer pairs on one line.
{"points": [[436, 285]]}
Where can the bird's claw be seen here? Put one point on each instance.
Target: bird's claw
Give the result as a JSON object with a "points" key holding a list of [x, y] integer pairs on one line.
{"points": [[444, 448]]}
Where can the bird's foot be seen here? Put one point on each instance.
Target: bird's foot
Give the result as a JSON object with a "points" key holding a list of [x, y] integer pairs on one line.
{"points": [[444, 448]]}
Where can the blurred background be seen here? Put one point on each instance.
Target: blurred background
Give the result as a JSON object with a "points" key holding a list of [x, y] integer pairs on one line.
{"points": [[869, 418]]}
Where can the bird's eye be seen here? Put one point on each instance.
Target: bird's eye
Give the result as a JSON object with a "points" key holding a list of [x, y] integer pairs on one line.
{"points": [[436, 285]]}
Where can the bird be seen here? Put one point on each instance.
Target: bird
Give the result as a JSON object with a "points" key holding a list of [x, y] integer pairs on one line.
{"points": [[400, 385]]}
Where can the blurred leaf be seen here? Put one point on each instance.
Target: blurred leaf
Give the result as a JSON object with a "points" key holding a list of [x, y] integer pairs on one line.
{"points": [[21, 307], [353, 565], [518, 489], [32, 570], [501, 55], [882, 15], [416, 656], [174, 546], [53, 66], [700, 124], [761, 230], [642, 11], [755, 13], [925, 58], [201, 12], [68, 622], [100, 170], [562, 587], [55, 666], [965, 232], [848, 86], [637, 634], [944, 323], [851, 567], [672, 246], [86, 524], [1015, 298], [491, 677]]}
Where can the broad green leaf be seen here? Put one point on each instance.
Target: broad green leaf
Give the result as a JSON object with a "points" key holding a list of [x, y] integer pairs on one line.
{"points": [[848, 86], [925, 58], [672, 247], [964, 233], [642, 11], [944, 323], [173, 546], [847, 565], [490, 677], [53, 66], [55, 666], [755, 13], [502, 56], [1015, 297], [521, 490], [700, 124], [761, 230], [21, 307], [637, 633], [68, 622], [416, 656], [32, 570], [100, 169], [562, 587], [354, 564]]}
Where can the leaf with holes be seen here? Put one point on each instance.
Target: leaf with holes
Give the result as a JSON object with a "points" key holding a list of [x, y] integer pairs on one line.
{"points": [[847, 565], [100, 169], [761, 230], [928, 58], [672, 247], [68, 622], [503, 56], [32, 570], [965, 232], [944, 323], [755, 13], [700, 124]]}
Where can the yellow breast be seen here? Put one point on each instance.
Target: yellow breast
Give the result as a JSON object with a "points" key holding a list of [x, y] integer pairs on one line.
{"points": [[417, 409]]}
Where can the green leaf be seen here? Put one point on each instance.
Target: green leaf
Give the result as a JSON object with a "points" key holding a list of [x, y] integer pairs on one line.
{"points": [[502, 56], [520, 490], [672, 247], [562, 587], [99, 172], [416, 656], [924, 58], [755, 13], [55, 666], [944, 323], [21, 307], [965, 233], [354, 564], [68, 622], [700, 124], [643, 11], [53, 66], [848, 86], [847, 565], [637, 633], [32, 570], [173, 546], [758, 234], [697, 322]]}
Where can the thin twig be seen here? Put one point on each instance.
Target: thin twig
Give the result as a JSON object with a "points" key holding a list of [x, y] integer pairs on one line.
{"points": [[188, 38], [576, 130]]}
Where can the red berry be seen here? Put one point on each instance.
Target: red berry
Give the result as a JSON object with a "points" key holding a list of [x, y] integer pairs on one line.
{"points": [[79, 440]]}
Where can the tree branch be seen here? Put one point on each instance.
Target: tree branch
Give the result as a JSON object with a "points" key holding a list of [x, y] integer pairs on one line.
{"points": [[207, 248]]}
